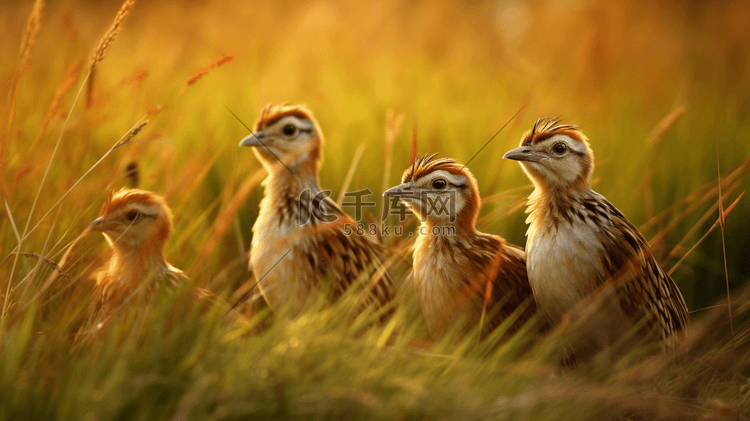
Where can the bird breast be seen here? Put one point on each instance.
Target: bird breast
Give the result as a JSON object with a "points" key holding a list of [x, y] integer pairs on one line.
{"points": [[563, 264], [269, 258], [445, 284]]}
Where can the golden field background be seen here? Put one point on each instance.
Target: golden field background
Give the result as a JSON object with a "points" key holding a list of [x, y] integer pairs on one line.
{"points": [[657, 87]]}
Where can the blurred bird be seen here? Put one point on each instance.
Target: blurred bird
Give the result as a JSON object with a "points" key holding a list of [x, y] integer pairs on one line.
{"points": [[582, 252], [300, 242], [459, 272], [137, 224]]}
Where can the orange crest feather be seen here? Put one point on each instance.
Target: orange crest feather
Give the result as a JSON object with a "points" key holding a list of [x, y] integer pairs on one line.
{"points": [[124, 196], [272, 113], [545, 128]]}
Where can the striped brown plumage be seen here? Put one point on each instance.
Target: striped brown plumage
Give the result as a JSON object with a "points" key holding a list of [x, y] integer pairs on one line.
{"points": [[459, 273], [300, 244], [584, 256]]}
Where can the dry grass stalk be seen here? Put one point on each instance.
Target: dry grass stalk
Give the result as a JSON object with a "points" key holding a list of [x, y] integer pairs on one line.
{"points": [[512, 193], [54, 108], [658, 242], [491, 185], [722, 225], [63, 262], [393, 125], [517, 203], [204, 71], [722, 216], [125, 139], [22, 172], [190, 181], [702, 194], [197, 224], [660, 237], [24, 57], [46, 260], [663, 127], [29, 34], [90, 89], [350, 173], [134, 131], [226, 216], [28, 39], [12, 222], [677, 249], [104, 43], [137, 78], [26, 231], [111, 34], [648, 194]]}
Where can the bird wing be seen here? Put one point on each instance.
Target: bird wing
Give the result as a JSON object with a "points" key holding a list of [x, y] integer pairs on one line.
{"points": [[644, 288], [347, 255], [502, 277]]}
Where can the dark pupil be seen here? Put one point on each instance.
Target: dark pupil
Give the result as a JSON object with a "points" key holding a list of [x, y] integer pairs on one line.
{"points": [[289, 129], [438, 184], [559, 148], [131, 216]]}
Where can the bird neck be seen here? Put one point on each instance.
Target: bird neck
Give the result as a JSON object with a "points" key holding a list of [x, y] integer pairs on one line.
{"points": [[446, 228], [433, 234], [132, 266], [288, 185], [453, 261], [461, 225], [286, 194], [550, 205], [303, 164]]}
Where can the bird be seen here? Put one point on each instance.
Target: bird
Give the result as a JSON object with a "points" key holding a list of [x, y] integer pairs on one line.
{"points": [[303, 242], [458, 272], [137, 224], [584, 257]]}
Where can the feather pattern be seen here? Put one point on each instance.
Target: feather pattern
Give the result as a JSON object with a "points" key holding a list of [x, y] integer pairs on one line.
{"points": [[582, 250], [303, 242], [458, 272], [468, 276]]}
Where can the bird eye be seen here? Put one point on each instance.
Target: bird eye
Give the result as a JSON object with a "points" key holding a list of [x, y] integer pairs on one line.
{"points": [[559, 148], [289, 130], [132, 215], [439, 184]]}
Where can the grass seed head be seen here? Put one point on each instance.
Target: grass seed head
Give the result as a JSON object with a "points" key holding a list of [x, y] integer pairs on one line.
{"points": [[29, 34], [110, 35], [102, 46], [204, 71]]}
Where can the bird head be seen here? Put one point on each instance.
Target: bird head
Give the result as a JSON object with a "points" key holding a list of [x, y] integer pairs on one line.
{"points": [[133, 219], [286, 133], [555, 156], [439, 191]]}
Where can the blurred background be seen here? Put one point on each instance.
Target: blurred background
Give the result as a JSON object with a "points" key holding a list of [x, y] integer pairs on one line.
{"points": [[656, 86]]}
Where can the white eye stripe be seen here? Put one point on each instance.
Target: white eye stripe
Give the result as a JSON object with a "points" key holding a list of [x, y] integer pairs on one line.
{"points": [[455, 179], [145, 210], [570, 143]]}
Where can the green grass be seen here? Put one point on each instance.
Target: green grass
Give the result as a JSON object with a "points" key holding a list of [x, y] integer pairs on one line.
{"points": [[616, 70]]}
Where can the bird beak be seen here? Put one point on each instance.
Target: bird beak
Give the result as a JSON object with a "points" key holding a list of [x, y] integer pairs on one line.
{"points": [[398, 191], [524, 153], [253, 139], [100, 224]]}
